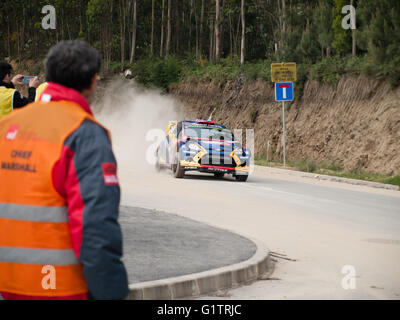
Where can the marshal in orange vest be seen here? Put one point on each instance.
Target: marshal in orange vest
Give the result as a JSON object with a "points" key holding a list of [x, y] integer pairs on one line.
{"points": [[33, 215]]}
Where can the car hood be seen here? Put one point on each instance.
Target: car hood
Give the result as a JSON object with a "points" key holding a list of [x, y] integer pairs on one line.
{"points": [[218, 146]]}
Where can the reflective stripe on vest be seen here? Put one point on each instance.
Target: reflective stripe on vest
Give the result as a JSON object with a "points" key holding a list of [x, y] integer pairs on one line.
{"points": [[34, 229], [6, 100], [33, 213], [38, 256]]}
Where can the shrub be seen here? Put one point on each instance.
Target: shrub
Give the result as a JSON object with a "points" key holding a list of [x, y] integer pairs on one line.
{"points": [[328, 70], [306, 165], [253, 115], [157, 72]]}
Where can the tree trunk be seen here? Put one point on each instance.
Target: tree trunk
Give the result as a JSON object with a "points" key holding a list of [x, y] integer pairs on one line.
{"points": [[284, 18], [162, 28], [109, 35], [230, 34], [122, 29], [280, 23], [18, 41], [197, 31], [8, 37], [201, 28], [177, 25], [211, 46], [80, 19], [236, 37], [328, 52], [221, 26], [133, 47], [23, 28], [353, 33], [168, 30], [190, 25], [62, 25], [243, 34], [217, 35], [152, 28]]}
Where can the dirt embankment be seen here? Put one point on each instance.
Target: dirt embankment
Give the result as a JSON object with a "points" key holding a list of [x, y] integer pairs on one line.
{"points": [[356, 125]]}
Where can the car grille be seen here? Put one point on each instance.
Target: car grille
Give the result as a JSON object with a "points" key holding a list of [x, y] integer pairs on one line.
{"points": [[222, 161]]}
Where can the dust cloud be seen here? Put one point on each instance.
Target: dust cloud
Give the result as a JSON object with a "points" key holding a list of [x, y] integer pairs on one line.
{"points": [[137, 118]]}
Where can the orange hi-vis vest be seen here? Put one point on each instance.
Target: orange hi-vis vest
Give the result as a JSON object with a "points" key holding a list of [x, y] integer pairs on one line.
{"points": [[34, 229]]}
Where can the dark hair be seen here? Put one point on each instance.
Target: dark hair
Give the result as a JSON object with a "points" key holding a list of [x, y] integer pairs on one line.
{"points": [[72, 64], [5, 69]]}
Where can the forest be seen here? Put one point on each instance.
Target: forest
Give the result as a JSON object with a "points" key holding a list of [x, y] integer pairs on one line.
{"points": [[163, 40]]}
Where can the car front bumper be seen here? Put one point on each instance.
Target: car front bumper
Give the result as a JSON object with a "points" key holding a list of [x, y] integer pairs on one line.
{"points": [[194, 166]]}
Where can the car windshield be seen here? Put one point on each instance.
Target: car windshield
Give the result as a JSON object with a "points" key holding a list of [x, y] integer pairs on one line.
{"points": [[205, 132]]}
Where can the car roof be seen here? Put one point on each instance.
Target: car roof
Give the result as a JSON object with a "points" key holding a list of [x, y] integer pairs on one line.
{"points": [[202, 123]]}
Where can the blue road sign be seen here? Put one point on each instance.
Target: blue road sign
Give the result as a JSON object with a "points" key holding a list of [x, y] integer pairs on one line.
{"points": [[284, 91]]}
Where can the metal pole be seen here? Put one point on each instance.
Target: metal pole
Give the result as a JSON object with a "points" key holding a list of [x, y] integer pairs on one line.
{"points": [[283, 134]]}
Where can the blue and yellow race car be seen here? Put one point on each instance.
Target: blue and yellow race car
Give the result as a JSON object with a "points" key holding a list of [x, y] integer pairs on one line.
{"points": [[203, 146]]}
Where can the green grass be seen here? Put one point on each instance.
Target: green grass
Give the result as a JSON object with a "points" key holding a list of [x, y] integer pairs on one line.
{"points": [[331, 170], [393, 180]]}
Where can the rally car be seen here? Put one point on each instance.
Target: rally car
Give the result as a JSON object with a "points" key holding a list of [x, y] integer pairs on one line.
{"points": [[203, 146]]}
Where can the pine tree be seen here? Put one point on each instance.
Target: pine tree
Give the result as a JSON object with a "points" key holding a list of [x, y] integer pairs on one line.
{"points": [[342, 37]]}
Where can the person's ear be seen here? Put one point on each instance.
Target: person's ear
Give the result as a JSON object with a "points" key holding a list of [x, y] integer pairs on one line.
{"points": [[88, 93], [94, 82]]}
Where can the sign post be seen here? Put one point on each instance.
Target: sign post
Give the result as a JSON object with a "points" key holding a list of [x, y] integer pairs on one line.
{"points": [[283, 74], [284, 92], [283, 133]]}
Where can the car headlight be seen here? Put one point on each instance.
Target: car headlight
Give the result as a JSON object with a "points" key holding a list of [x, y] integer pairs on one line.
{"points": [[194, 146], [239, 151]]}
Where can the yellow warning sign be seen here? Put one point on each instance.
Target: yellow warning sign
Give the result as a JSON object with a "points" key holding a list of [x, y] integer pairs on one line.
{"points": [[283, 72]]}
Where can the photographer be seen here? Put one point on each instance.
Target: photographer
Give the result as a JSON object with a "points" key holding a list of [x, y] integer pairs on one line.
{"points": [[10, 98]]}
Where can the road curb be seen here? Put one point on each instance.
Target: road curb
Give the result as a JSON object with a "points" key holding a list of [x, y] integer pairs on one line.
{"points": [[206, 282], [328, 178]]}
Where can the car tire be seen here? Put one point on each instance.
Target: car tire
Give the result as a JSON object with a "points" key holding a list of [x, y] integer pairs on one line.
{"points": [[219, 175], [179, 172], [242, 178]]}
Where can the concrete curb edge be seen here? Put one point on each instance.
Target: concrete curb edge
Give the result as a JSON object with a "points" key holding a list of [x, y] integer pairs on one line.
{"points": [[206, 282], [328, 178]]}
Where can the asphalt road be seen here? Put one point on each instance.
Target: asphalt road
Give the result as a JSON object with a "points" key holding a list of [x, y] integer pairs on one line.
{"points": [[324, 226], [160, 245]]}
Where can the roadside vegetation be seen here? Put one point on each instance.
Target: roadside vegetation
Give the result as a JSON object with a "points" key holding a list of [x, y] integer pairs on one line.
{"points": [[166, 41], [330, 170]]}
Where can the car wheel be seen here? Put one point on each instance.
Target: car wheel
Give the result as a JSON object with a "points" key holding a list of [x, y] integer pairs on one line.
{"points": [[178, 171], [219, 175], [242, 178]]}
